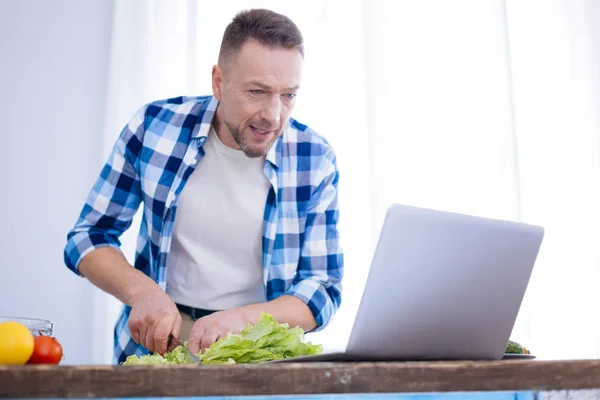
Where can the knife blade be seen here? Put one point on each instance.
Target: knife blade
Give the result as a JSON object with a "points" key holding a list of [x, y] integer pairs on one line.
{"points": [[173, 342]]}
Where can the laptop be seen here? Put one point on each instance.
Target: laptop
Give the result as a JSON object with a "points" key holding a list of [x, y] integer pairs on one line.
{"points": [[442, 286]]}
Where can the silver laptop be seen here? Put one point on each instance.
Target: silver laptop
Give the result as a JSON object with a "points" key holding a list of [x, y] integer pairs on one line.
{"points": [[442, 286]]}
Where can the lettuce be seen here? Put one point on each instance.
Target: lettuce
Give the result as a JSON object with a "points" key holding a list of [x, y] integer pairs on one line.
{"points": [[178, 356], [265, 341]]}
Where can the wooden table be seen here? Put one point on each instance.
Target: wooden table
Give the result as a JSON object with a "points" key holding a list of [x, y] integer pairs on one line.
{"points": [[517, 378]]}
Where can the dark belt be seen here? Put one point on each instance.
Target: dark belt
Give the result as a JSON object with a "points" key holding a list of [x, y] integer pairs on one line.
{"points": [[194, 313]]}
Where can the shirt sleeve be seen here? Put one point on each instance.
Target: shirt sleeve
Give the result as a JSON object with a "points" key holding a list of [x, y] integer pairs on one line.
{"points": [[113, 200], [321, 264]]}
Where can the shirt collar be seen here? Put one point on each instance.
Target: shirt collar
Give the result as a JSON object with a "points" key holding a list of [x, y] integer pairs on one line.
{"points": [[274, 153], [206, 115]]}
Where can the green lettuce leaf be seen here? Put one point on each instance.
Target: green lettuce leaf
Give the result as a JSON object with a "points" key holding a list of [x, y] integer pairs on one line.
{"points": [[178, 356], [265, 341]]}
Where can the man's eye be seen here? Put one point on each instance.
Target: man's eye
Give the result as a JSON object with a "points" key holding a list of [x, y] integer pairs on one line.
{"points": [[290, 95], [257, 91]]}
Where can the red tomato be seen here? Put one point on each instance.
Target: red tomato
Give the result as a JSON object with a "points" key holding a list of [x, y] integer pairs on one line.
{"points": [[46, 350]]}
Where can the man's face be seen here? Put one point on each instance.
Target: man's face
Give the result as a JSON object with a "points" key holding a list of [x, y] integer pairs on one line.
{"points": [[256, 90]]}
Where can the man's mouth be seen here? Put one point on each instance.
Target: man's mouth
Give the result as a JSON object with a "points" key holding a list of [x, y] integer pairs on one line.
{"points": [[263, 132]]}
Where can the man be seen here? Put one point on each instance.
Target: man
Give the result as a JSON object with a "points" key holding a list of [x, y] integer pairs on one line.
{"points": [[239, 204]]}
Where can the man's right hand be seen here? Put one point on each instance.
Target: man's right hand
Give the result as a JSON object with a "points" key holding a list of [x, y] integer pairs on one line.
{"points": [[153, 318], [153, 314]]}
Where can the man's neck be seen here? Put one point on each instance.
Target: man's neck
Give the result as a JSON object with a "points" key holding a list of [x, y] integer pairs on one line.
{"points": [[222, 131]]}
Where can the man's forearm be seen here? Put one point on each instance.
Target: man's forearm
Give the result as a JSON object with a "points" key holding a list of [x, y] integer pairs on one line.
{"points": [[285, 309], [108, 269]]}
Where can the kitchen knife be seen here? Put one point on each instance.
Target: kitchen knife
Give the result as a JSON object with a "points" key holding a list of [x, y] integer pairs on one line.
{"points": [[173, 342]]}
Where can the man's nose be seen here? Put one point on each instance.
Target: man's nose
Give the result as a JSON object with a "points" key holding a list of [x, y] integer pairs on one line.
{"points": [[272, 111]]}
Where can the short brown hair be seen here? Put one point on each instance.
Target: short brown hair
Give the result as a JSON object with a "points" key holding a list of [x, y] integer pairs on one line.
{"points": [[266, 27]]}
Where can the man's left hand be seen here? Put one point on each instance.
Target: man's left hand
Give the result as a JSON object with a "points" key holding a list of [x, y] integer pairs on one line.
{"points": [[211, 328], [284, 309]]}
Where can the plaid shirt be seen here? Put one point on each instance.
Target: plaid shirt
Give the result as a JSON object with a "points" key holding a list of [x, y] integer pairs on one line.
{"points": [[150, 163]]}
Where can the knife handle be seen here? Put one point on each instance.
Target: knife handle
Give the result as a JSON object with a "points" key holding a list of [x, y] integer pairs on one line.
{"points": [[173, 342]]}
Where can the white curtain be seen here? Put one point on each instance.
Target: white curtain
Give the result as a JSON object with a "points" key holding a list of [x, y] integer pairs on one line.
{"points": [[482, 107]]}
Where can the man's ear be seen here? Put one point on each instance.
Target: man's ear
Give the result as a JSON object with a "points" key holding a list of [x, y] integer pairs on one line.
{"points": [[217, 81]]}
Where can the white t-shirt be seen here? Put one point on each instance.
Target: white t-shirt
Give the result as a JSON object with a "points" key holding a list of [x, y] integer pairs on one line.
{"points": [[215, 261]]}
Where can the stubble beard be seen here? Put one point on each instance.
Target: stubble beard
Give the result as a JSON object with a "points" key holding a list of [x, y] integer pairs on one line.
{"points": [[237, 133]]}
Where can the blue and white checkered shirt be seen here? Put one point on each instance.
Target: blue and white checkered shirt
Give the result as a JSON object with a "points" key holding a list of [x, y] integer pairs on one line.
{"points": [[150, 163]]}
